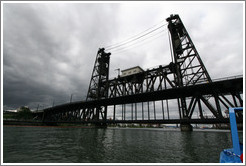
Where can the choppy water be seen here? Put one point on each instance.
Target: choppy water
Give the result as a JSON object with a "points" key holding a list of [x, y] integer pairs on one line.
{"points": [[111, 145]]}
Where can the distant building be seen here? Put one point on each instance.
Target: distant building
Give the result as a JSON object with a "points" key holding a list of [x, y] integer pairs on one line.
{"points": [[131, 71]]}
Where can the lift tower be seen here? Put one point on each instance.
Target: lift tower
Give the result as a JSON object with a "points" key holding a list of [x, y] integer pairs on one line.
{"points": [[98, 88], [187, 66]]}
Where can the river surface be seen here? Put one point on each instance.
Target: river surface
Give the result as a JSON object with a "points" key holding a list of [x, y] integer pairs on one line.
{"points": [[112, 145]]}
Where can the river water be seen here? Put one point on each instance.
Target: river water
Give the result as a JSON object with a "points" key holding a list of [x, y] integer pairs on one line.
{"points": [[111, 145]]}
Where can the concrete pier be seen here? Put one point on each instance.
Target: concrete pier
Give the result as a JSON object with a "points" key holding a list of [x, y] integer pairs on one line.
{"points": [[186, 127]]}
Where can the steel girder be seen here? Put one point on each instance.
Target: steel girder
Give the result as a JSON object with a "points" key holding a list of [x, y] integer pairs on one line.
{"points": [[199, 97]]}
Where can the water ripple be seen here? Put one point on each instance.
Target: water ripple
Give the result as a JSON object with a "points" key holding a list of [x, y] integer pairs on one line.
{"points": [[84, 145]]}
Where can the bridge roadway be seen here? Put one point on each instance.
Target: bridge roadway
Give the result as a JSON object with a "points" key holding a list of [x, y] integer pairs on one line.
{"points": [[221, 87]]}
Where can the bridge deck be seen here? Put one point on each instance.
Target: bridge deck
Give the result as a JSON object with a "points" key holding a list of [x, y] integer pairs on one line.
{"points": [[219, 87]]}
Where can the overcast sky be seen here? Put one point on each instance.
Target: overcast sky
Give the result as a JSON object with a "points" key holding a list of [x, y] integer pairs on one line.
{"points": [[49, 49]]}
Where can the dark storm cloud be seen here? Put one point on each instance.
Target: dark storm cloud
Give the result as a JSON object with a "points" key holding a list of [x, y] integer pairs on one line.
{"points": [[47, 49]]}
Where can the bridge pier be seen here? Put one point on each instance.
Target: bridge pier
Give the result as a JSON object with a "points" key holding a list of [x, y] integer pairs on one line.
{"points": [[186, 127], [101, 125]]}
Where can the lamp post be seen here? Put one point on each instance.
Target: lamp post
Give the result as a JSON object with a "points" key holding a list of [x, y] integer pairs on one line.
{"points": [[71, 97], [37, 107]]}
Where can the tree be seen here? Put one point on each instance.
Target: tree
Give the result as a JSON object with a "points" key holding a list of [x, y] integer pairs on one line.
{"points": [[24, 113]]}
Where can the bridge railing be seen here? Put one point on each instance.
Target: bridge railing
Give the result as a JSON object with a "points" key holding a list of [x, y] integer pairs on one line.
{"points": [[227, 78]]}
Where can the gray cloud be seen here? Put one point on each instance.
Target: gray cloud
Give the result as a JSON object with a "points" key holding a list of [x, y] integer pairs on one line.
{"points": [[49, 49]]}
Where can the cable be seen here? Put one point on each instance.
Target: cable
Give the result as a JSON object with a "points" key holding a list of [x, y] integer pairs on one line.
{"points": [[170, 46], [129, 47], [136, 37], [137, 42]]}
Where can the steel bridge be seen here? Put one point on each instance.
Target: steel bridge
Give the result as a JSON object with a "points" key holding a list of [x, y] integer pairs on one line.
{"points": [[152, 96]]}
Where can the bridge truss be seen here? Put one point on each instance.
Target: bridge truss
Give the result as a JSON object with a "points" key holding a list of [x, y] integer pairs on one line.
{"points": [[152, 96]]}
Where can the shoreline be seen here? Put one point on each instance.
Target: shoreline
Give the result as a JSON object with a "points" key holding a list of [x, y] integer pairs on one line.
{"points": [[124, 128], [16, 123]]}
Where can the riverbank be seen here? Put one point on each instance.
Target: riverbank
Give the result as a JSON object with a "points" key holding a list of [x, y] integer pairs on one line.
{"points": [[24, 123]]}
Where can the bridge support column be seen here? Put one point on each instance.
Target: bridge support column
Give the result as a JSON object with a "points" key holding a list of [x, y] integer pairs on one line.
{"points": [[186, 127]]}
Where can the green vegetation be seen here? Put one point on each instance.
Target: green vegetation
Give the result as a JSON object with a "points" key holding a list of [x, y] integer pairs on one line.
{"points": [[9, 115], [24, 114]]}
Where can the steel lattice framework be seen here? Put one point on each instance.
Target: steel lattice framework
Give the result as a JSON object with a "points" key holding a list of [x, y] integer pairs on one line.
{"points": [[98, 88], [185, 79], [188, 67]]}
